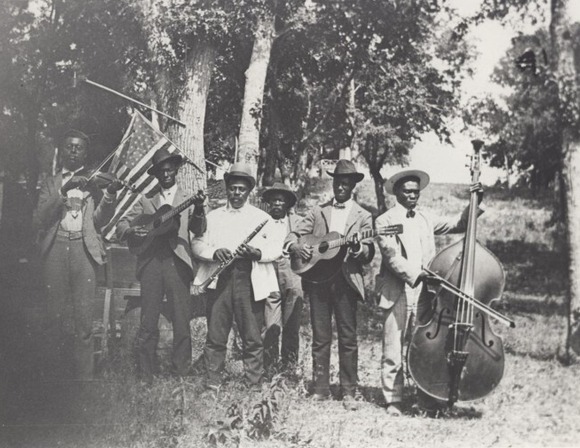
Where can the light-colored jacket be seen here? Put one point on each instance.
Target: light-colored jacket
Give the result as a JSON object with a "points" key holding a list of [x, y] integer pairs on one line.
{"points": [[219, 221], [50, 211], [317, 223], [395, 268], [179, 243]]}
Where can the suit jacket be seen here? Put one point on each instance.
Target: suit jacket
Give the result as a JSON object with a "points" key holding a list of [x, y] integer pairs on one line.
{"points": [[51, 209], [396, 271], [179, 242], [317, 223]]}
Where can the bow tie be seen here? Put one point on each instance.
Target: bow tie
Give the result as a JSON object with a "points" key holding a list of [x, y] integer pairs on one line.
{"points": [[339, 205], [410, 213], [280, 221]]}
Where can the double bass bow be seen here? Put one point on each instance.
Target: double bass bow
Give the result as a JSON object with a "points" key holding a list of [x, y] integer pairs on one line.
{"points": [[456, 355]]}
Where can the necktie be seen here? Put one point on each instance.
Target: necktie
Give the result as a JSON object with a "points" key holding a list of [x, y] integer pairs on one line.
{"points": [[338, 205], [410, 213]]}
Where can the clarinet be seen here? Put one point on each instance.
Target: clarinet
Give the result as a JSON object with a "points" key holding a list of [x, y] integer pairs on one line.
{"points": [[200, 289]]}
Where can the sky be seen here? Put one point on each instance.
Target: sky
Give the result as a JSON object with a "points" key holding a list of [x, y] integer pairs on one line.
{"points": [[447, 163]]}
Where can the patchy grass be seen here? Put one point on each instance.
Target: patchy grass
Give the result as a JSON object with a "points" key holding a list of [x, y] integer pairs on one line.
{"points": [[536, 403]]}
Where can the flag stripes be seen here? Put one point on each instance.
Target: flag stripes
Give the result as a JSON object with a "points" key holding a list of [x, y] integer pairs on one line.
{"points": [[130, 164]]}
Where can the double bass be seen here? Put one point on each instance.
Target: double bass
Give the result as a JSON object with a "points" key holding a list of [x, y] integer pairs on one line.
{"points": [[456, 355]]}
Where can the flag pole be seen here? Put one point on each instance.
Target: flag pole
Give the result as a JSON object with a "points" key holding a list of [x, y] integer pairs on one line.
{"points": [[114, 92]]}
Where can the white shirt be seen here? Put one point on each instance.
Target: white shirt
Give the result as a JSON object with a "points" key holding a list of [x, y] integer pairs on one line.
{"points": [[416, 247], [73, 218], [339, 216], [227, 228], [279, 229], [167, 195]]}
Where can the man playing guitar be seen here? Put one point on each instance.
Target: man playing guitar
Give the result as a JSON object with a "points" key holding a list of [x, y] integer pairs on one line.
{"points": [[340, 293], [165, 268]]}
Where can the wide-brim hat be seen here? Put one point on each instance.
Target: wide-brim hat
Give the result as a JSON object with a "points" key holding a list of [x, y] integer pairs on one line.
{"points": [[346, 168], [242, 171], [281, 188], [163, 155], [395, 178]]}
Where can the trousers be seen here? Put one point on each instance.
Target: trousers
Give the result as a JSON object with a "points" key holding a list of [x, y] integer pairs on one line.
{"points": [[283, 311], [70, 279], [165, 275], [232, 299], [333, 297]]}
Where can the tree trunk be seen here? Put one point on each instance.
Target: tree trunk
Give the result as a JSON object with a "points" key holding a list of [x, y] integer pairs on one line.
{"points": [[565, 72], [192, 108], [379, 190], [249, 149], [272, 152]]}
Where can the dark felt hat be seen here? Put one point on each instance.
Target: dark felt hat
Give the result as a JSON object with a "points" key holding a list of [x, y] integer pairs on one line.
{"points": [[241, 171], [75, 133], [346, 168], [162, 155], [392, 181], [284, 189]]}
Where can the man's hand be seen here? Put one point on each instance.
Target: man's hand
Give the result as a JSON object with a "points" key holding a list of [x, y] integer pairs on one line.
{"points": [[75, 182], [139, 232], [249, 252], [114, 186], [477, 187], [355, 245], [222, 255], [199, 198], [303, 250]]}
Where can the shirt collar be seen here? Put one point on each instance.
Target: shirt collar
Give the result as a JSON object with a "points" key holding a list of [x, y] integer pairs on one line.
{"points": [[402, 211], [230, 209], [73, 172], [169, 191], [347, 204]]}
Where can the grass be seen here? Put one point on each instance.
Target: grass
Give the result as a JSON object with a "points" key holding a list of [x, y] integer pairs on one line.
{"points": [[536, 403]]}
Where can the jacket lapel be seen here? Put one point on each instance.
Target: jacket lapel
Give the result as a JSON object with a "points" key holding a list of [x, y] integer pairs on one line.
{"points": [[326, 210], [352, 217]]}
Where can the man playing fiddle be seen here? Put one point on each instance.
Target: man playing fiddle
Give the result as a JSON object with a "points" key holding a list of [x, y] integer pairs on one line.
{"points": [[69, 216], [401, 274]]}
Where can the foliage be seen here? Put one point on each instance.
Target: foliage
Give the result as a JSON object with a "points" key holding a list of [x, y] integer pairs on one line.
{"points": [[525, 125], [257, 422]]}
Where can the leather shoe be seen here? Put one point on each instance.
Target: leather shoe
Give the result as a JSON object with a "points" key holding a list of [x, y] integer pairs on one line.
{"points": [[350, 404], [394, 410]]}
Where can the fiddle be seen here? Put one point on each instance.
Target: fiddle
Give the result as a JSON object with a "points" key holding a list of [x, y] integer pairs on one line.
{"points": [[102, 180], [97, 179]]}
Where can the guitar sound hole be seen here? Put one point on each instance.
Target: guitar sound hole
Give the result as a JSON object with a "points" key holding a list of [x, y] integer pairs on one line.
{"points": [[323, 247]]}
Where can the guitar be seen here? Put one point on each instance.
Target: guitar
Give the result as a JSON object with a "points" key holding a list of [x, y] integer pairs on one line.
{"points": [[161, 222], [329, 251]]}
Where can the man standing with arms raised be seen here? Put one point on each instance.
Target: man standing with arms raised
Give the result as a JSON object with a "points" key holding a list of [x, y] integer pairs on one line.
{"points": [[242, 288], [340, 294], [69, 217]]}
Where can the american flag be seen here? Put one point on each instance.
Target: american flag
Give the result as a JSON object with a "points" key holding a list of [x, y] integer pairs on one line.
{"points": [[131, 161]]}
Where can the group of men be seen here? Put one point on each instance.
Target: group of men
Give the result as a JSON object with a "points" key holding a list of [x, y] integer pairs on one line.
{"points": [[256, 286]]}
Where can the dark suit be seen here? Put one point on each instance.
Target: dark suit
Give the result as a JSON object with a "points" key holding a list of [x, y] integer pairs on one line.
{"points": [[339, 295], [165, 269], [70, 262]]}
